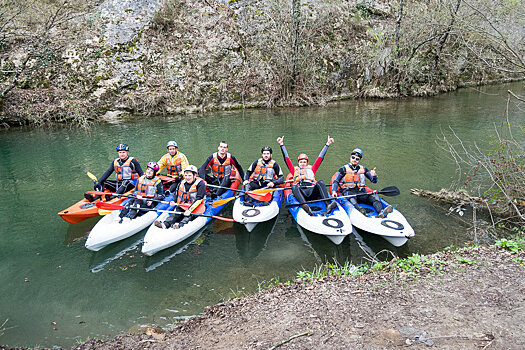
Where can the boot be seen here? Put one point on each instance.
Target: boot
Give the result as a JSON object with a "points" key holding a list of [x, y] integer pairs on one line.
{"points": [[90, 197], [159, 224], [331, 207], [307, 209], [388, 209]]}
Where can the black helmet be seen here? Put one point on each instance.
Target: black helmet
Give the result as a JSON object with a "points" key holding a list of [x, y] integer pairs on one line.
{"points": [[266, 148]]}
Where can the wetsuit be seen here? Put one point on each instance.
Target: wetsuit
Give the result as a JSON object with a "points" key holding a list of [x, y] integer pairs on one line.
{"points": [[222, 172], [358, 187], [152, 189], [307, 189], [258, 179], [198, 194], [123, 185]]}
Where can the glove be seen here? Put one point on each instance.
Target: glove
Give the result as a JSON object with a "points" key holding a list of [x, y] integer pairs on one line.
{"points": [[98, 187]]}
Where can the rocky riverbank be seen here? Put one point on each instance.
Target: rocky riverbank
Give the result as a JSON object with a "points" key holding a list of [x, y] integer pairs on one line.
{"points": [[466, 299], [83, 61]]}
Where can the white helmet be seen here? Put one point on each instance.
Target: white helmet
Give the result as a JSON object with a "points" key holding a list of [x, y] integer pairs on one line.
{"points": [[191, 168], [172, 144]]}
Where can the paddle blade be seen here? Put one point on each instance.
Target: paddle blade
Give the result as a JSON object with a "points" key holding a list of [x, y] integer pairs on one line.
{"points": [[260, 197], [266, 190], [92, 177], [390, 191], [222, 201], [109, 206]]}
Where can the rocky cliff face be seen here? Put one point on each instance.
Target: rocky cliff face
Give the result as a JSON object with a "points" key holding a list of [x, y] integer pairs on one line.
{"points": [[178, 56]]}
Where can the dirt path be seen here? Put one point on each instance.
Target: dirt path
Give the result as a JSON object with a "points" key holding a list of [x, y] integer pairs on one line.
{"points": [[476, 301]]}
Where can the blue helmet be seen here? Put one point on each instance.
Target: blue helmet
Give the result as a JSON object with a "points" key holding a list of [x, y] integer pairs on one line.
{"points": [[358, 151], [122, 147]]}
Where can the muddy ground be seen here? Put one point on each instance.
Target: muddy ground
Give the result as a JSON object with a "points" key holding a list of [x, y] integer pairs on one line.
{"points": [[471, 299]]}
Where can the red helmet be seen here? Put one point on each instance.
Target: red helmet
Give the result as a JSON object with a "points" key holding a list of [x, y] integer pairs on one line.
{"points": [[302, 156]]}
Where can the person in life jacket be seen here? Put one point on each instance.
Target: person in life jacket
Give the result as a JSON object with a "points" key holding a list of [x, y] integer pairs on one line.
{"points": [[174, 162], [264, 172], [351, 179], [147, 193], [305, 187], [217, 169], [190, 194], [127, 170]]}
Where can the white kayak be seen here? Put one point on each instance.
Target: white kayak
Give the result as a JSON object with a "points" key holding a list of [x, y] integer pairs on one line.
{"points": [[157, 239], [109, 229], [335, 226], [394, 228], [251, 215]]}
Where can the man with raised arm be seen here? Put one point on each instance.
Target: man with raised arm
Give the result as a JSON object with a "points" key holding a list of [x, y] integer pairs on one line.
{"points": [[351, 179]]}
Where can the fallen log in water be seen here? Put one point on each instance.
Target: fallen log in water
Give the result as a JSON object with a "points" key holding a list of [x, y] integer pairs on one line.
{"points": [[463, 198], [452, 197]]}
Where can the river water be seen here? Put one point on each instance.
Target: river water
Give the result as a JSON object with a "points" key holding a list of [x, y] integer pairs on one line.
{"points": [[55, 292]]}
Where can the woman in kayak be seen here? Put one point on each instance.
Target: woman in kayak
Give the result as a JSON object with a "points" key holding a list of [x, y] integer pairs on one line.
{"points": [[190, 194], [305, 187], [147, 192], [351, 179]]}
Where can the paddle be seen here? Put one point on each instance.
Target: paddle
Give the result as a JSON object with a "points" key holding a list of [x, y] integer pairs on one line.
{"points": [[259, 190], [108, 206], [390, 191], [94, 179], [127, 196], [257, 196]]}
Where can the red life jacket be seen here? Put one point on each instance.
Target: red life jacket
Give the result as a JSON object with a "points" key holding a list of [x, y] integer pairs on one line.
{"points": [[147, 187], [264, 172], [124, 171], [353, 178], [221, 170], [191, 195], [303, 174]]}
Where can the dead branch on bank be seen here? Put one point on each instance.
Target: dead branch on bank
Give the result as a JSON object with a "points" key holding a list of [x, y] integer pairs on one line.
{"points": [[496, 174]]}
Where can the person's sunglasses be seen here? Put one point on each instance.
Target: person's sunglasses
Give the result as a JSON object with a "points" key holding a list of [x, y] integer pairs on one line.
{"points": [[355, 157]]}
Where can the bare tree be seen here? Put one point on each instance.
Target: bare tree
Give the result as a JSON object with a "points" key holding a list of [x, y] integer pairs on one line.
{"points": [[498, 175]]}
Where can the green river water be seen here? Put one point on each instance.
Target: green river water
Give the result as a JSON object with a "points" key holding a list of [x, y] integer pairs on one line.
{"points": [[54, 292]]}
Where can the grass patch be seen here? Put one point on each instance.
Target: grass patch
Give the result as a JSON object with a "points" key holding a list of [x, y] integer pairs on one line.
{"points": [[515, 244]]}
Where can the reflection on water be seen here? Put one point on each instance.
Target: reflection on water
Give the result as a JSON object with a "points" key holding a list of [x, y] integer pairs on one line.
{"points": [[129, 289], [250, 244]]}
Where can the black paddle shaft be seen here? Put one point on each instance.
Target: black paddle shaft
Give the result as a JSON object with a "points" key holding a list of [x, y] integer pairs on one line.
{"points": [[390, 191]]}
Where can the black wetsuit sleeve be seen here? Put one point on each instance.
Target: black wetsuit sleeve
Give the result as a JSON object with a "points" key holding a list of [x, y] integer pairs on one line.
{"points": [[373, 179], [238, 166], [204, 166], [249, 172], [136, 164], [338, 177], [106, 174], [201, 190], [160, 192], [280, 175]]}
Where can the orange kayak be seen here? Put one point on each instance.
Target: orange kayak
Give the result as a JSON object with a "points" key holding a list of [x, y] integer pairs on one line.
{"points": [[84, 209]]}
